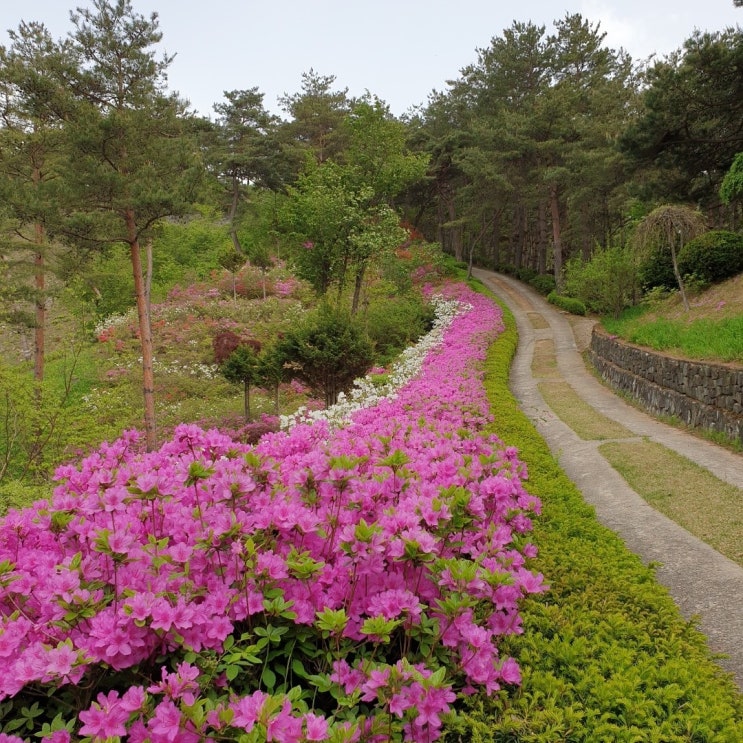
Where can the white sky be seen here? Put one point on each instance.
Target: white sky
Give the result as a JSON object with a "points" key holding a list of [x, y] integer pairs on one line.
{"points": [[400, 50]]}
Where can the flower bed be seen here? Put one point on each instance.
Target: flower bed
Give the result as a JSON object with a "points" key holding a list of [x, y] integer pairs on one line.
{"points": [[329, 583]]}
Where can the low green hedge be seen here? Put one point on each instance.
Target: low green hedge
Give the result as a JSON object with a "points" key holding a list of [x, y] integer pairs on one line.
{"points": [[569, 304], [605, 654]]}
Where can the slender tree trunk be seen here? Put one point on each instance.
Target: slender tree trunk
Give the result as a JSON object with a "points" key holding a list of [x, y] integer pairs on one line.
{"points": [[145, 332], [40, 300], [456, 231], [496, 239], [543, 241], [677, 273], [556, 235], [40, 308], [232, 216]]}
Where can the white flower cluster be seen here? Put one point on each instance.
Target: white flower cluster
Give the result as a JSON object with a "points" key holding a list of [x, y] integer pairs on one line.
{"points": [[198, 370], [112, 321], [366, 392]]}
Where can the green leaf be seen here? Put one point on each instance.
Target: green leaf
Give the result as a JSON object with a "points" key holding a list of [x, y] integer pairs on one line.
{"points": [[268, 679]]}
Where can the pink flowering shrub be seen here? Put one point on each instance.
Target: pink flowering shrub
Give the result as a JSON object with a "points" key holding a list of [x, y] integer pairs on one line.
{"points": [[342, 584]]}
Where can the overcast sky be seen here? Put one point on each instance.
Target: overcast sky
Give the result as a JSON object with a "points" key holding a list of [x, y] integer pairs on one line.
{"points": [[400, 50]]}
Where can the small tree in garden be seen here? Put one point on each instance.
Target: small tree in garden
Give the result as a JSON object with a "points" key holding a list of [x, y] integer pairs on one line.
{"points": [[232, 261], [670, 226], [242, 367], [328, 353], [272, 371]]}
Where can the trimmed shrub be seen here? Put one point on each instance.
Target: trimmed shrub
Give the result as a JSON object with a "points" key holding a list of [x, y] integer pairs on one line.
{"points": [[569, 304], [713, 257], [525, 274]]}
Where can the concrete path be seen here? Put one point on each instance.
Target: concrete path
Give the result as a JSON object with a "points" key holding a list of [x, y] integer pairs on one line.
{"points": [[703, 582]]}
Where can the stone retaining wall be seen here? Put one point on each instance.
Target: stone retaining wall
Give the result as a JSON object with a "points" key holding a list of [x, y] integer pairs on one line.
{"points": [[702, 395]]}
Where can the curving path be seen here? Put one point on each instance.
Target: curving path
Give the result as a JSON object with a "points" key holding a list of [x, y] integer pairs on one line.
{"points": [[703, 583]]}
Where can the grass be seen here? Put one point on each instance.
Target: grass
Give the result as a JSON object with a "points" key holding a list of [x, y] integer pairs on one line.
{"points": [[691, 496], [587, 422], [712, 330], [565, 402]]}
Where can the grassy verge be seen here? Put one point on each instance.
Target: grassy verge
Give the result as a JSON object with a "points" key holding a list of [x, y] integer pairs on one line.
{"points": [[690, 495], [605, 654], [707, 339]]}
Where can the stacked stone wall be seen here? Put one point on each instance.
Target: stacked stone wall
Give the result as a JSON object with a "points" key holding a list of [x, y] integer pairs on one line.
{"points": [[702, 395]]}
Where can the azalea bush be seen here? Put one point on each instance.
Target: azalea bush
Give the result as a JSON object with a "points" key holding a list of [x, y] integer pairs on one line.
{"points": [[327, 583]]}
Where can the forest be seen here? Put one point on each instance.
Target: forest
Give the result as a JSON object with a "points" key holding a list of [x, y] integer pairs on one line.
{"points": [[215, 526]]}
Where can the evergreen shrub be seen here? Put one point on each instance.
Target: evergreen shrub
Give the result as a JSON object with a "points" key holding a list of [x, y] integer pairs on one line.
{"points": [[656, 270], [713, 257]]}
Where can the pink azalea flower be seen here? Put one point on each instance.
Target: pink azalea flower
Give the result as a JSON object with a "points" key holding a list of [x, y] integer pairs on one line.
{"points": [[166, 723], [248, 709], [316, 727], [105, 718]]}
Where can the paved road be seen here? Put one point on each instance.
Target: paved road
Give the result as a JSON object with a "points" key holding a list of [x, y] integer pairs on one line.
{"points": [[703, 582]]}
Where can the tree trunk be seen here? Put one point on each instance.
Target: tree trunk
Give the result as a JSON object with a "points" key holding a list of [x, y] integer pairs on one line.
{"points": [[40, 318], [677, 273], [145, 332], [556, 236], [495, 250], [233, 215], [543, 241], [456, 232]]}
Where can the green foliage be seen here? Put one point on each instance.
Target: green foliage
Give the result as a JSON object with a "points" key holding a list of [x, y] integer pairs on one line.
{"points": [[242, 367], [713, 257], [569, 304], [656, 270], [188, 250], [543, 283], [395, 321], [607, 283], [328, 352], [605, 654], [42, 424], [731, 188]]}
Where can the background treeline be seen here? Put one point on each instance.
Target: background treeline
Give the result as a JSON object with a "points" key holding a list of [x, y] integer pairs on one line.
{"points": [[552, 145], [545, 154]]}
